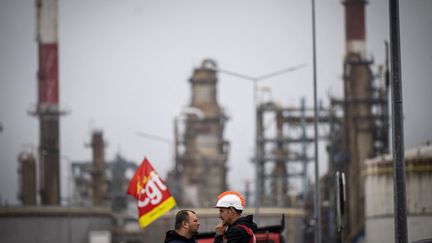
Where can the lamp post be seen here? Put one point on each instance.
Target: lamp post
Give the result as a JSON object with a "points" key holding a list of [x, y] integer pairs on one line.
{"points": [[399, 187], [185, 111], [155, 138], [255, 81], [317, 206]]}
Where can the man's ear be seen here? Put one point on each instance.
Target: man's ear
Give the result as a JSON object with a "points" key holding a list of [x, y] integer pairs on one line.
{"points": [[185, 223]]}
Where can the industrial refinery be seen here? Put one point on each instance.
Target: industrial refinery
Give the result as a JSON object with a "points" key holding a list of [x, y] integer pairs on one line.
{"points": [[64, 198]]}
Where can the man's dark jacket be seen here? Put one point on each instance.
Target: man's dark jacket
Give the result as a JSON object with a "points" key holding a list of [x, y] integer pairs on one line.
{"points": [[172, 237], [236, 233]]}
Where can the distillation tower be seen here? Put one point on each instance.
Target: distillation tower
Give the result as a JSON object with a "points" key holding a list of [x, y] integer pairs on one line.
{"points": [[200, 149]]}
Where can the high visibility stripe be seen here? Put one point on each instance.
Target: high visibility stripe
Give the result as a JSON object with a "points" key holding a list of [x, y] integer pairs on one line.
{"points": [[252, 238]]}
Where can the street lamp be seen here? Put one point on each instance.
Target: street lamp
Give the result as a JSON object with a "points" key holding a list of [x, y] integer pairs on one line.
{"points": [[155, 138], [255, 81], [189, 110], [400, 207], [317, 206]]}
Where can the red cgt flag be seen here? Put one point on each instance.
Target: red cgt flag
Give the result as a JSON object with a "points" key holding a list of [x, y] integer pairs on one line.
{"points": [[154, 198]]}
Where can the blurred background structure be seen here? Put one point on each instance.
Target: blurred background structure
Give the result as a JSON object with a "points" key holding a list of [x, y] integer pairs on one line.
{"points": [[209, 134], [201, 152]]}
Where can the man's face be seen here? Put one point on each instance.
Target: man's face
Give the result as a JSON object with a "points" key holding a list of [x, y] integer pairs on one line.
{"points": [[225, 214], [193, 224]]}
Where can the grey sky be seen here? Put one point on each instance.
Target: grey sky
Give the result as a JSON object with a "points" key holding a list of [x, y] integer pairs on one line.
{"points": [[125, 65]]}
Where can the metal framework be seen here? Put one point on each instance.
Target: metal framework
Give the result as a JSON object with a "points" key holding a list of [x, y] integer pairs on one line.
{"points": [[285, 150]]}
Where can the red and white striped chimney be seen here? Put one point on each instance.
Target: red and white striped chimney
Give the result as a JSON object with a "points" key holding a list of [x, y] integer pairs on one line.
{"points": [[48, 101]]}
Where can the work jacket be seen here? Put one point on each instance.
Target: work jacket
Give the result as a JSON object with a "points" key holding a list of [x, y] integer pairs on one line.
{"points": [[236, 233], [173, 237]]}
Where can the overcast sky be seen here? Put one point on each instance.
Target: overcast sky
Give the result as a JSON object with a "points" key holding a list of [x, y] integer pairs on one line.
{"points": [[125, 66]]}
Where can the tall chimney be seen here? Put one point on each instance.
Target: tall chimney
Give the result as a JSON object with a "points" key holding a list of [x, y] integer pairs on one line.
{"points": [[358, 122], [48, 102]]}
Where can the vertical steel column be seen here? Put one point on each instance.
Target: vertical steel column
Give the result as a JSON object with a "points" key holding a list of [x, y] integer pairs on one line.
{"points": [[397, 131]]}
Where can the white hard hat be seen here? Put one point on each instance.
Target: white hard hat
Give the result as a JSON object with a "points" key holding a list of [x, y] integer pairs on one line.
{"points": [[230, 199]]}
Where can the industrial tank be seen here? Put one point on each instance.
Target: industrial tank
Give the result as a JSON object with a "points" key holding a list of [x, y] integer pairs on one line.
{"points": [[380, 202]]}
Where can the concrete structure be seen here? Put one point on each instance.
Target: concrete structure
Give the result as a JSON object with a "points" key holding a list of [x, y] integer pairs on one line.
{"points": [[380, 201], [52, 224], [200, 149]]}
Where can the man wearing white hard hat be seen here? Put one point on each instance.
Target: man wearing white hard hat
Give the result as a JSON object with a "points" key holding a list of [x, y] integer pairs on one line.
{"points": [[234, 228]]}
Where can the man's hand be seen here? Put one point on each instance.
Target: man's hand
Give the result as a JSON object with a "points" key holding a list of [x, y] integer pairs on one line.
{"points": [[220, 228]]}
